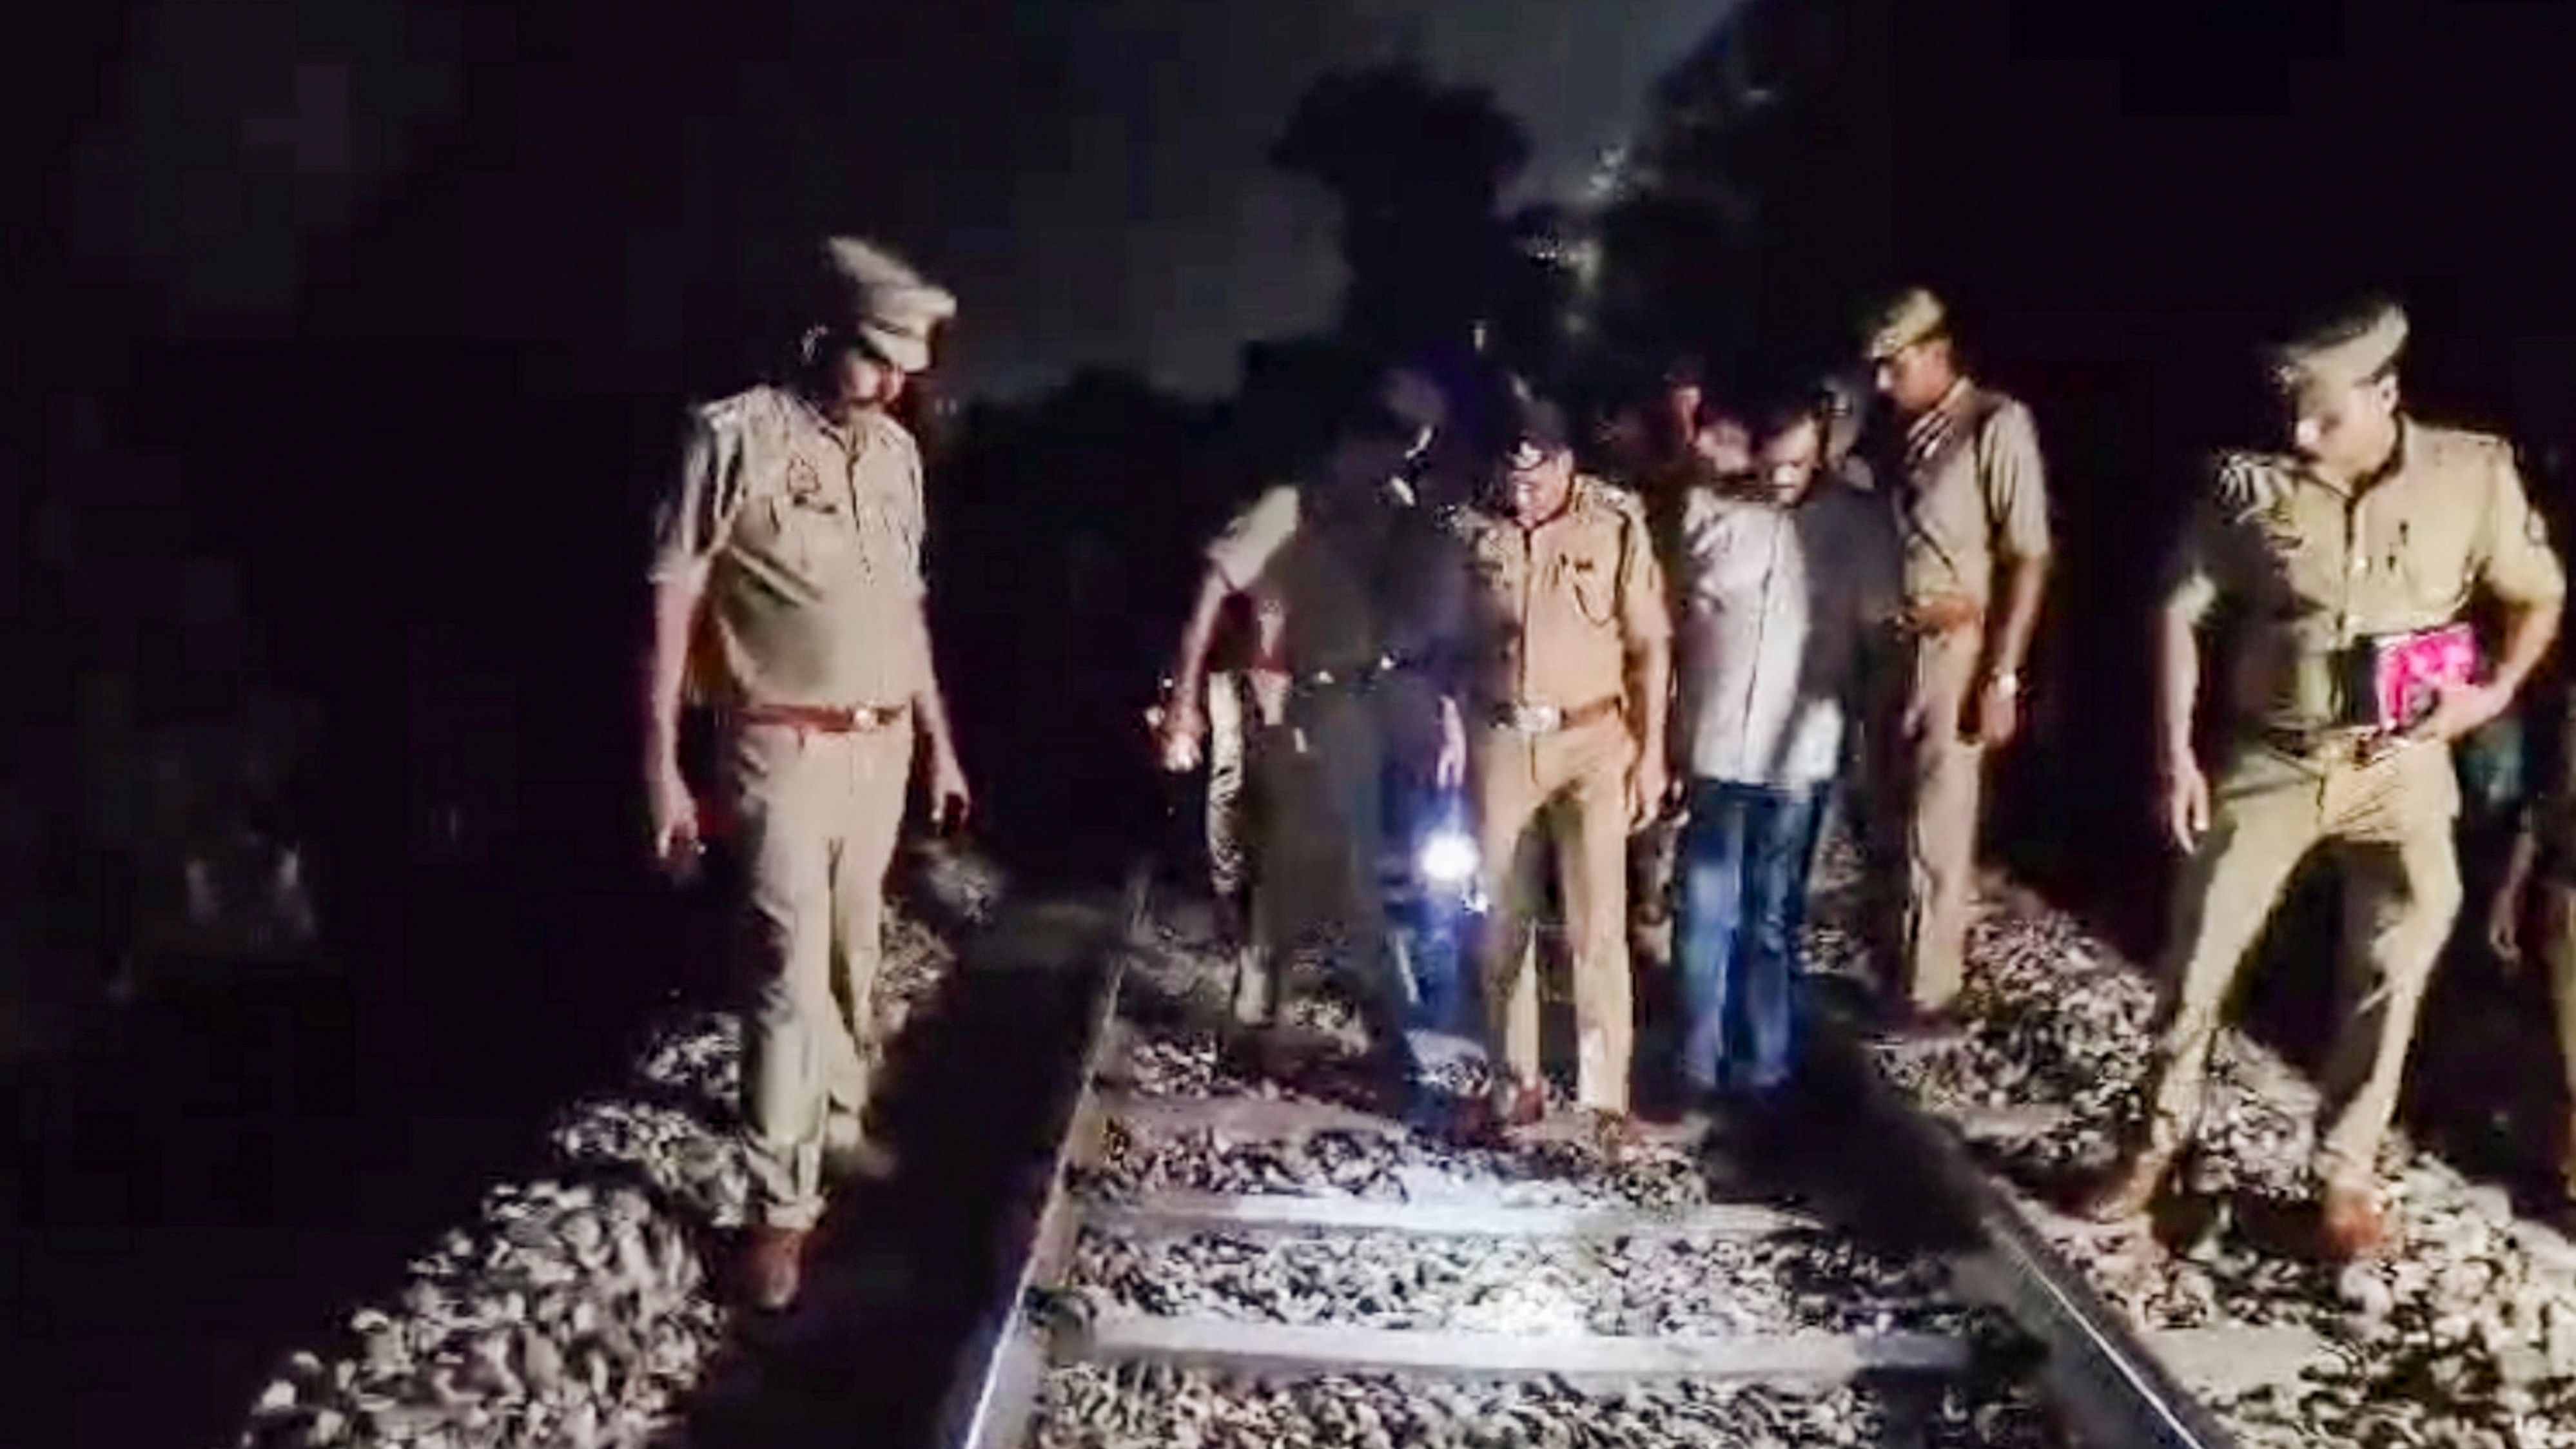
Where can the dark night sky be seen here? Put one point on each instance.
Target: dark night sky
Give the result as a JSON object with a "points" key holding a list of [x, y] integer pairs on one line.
{"points": [[1088, 175]]}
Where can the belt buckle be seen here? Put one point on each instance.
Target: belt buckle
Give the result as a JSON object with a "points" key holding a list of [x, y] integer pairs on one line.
{"points": [[1537, 719]]}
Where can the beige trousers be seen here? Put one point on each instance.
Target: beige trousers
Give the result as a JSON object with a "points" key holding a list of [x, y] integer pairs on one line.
{"points": [[1228, 729], [1925, 779], [2389, 827], [819, 814], [2557, 923], [1563, 793]]}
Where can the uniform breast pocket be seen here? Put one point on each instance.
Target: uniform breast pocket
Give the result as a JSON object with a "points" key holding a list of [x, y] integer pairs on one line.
{"points": [[816, 531], [2434, 567], [1588, 580]]}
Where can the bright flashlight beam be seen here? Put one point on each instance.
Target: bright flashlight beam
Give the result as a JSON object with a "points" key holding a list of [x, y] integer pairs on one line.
{"points": [[1448, 858]]}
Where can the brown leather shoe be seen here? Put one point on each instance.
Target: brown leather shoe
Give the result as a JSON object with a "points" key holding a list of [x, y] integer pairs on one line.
{"points": [[1614, 1134], [2128, 1190], [2350, 1225], [1519, 1104], [773, 1266]]}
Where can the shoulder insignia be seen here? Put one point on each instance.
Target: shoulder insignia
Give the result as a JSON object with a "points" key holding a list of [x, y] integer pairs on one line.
{"points": [[725, 412], [2245, 484], [1610, 498], [754, 417]]}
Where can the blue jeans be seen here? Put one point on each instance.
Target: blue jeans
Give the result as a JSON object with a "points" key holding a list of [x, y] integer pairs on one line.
{"points": [[1745, 857]]}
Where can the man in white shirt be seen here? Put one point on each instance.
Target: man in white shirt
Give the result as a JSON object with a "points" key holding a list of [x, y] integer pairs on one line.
{"points": [[1782, 574]]}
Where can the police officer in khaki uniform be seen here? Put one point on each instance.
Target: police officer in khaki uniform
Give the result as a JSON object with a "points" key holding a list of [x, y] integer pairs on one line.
{"points": [[1325, 566], [1971, 505], [2374, 528], [787, 589], [1560, 719]]}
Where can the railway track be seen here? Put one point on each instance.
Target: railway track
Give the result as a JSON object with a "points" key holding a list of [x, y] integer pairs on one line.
{"points": [[1213, 1257]]}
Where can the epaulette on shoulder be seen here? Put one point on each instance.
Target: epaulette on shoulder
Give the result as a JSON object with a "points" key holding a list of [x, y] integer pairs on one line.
{"points": [[2247, 482], [735, 416], [2454, 446], [733, 409], [1612, 498]]}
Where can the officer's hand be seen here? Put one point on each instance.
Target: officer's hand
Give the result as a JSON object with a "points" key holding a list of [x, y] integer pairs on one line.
{"points": [[672, 814], [2461, 708], [1647, 787], [1449, 771], [1940, 614], [2186, 804], [1998, 711], [2504, 925], [950, 800], [1178, 728]]}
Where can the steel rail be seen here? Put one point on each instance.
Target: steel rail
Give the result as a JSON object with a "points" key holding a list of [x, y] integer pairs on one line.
{"points": [[989, 1399], [2110, 1387], [2115, 1390]]}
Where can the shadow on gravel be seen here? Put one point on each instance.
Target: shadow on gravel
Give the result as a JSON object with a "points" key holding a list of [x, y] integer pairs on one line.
{"points": [[227, 1172], [906, 1268]]}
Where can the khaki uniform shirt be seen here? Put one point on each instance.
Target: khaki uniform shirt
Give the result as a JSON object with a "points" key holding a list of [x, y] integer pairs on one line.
{"points": [[1969, 489], [2316, 570], [812, 543], [1554, 612], [1319, 573]]}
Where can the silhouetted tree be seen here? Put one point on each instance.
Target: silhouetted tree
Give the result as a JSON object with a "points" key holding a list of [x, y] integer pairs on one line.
{"points": [[1419, 169], [1753, 210]]}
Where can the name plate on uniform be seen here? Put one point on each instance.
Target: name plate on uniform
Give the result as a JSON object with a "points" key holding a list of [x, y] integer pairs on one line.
{"points": [[2407, 672]]}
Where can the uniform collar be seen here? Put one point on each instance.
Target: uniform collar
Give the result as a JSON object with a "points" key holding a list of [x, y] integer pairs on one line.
{"points": [[2395, 464], [855, 435]]}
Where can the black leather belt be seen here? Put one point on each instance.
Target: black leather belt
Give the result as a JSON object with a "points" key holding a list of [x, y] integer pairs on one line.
{"points": [[1354, 677], [2360, 746]]}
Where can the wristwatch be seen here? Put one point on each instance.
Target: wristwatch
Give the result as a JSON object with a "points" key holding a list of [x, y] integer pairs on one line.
{"points": [[2010, 679]]}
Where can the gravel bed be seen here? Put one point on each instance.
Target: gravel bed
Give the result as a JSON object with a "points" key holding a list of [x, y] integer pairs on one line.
{"points": [[1087, 1406], [1395, 1167], [575, 1311], [1323, 1044], [1643, 1286], [2466, 1337]]}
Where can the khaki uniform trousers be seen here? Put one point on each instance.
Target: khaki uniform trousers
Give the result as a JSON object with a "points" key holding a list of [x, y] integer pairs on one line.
{"points": [[1925, 780], [1322, 829], [819, 813], [2388, 826], [1566, 789], [2557, 924], [1227, 823]]}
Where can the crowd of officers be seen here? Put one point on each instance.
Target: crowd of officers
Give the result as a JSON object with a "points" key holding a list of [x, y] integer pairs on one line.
{"points": [[1655, 650], [1646, 646]]}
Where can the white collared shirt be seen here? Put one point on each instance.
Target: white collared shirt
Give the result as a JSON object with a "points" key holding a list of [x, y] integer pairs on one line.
{"points": [[1774, 602]]}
